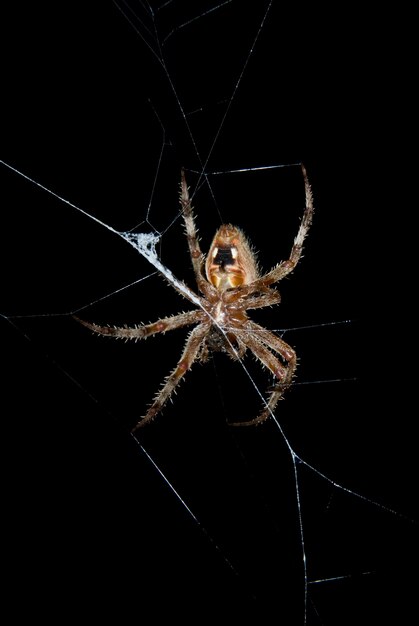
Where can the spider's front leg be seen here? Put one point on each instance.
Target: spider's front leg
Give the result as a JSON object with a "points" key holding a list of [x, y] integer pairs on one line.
{"points": [[189, 355], [261, 341]]}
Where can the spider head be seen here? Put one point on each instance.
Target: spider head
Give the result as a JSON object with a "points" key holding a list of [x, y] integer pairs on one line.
{"points": [[230, 262]]}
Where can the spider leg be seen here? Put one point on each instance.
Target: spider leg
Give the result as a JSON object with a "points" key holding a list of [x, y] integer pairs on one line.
{"points": [[285, 267], [195, 252], [266, 297], [261, 342], [189, 355], [143, 331]]}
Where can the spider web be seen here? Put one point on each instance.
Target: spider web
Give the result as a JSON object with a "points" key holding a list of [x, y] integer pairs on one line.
{"points": [[308, 518]]}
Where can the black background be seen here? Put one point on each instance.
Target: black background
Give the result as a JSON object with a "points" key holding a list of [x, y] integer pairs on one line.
{"points": [[90, 112]]}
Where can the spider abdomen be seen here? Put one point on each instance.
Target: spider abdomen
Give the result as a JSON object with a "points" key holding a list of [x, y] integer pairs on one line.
{"points": [[230, 262]]}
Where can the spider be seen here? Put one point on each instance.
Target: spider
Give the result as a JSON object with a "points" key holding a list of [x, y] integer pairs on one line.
{"points": [[231, 284]]}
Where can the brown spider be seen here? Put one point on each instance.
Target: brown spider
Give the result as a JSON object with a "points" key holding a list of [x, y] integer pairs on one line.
{"points": [[230, 286]]}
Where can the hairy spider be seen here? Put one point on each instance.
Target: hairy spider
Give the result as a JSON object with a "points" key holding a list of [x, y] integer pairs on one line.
{"points": [[230, 286]]}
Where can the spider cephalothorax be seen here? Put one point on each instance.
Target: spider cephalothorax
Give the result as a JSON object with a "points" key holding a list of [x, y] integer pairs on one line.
{"points": [[230, 284]]}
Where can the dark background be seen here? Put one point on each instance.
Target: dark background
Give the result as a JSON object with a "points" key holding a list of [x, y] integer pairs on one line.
{"points": [[104, 111]]}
